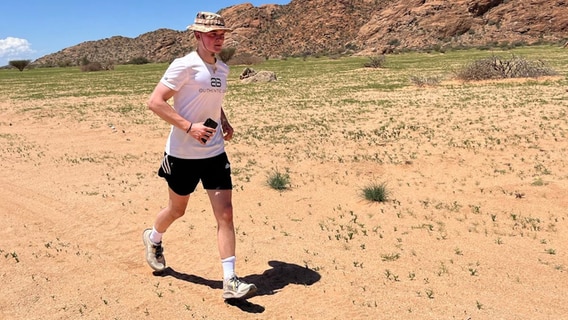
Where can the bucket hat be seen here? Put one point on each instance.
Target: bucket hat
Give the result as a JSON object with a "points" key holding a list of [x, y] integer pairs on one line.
{"points": [[208, 21]]}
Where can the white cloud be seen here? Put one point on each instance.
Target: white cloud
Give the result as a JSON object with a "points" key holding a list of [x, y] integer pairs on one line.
{"points": [[11, 47]]}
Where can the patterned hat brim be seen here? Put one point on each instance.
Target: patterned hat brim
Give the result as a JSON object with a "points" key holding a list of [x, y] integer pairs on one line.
{"points": [[202, 28]]}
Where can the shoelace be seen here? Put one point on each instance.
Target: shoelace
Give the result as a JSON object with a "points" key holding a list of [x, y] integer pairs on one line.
{"points": [[235, 282], [159, 251]]}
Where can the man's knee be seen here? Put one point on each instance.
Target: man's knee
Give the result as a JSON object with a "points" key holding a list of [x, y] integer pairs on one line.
{"points": [[176, 213], [225, 214]]}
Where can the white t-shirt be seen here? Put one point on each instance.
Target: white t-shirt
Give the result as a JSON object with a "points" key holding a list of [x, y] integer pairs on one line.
{"points": [[200, 89]]}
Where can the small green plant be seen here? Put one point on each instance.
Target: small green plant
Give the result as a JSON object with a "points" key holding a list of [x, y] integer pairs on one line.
{"points": [[278, 180], [13, 255], [391, 276], [538, 182], [390, 256], [376, 192], [479, 305]]}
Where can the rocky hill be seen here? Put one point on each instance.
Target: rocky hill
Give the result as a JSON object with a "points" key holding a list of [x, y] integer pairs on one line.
{"points": [[309, 27]]}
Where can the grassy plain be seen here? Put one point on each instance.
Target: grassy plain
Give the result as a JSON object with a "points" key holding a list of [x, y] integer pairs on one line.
{"points": [[475, 226]]}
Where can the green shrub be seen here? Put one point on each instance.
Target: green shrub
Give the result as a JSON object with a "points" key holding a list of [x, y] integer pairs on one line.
{"points": [[394, 42], [19, 64]]}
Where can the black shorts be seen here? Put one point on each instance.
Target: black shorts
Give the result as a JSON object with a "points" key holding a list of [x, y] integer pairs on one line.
{"points": [[183, 175]]}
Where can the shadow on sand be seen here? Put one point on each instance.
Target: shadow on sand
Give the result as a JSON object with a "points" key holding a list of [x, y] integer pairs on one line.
{"points": [[269, 282]]}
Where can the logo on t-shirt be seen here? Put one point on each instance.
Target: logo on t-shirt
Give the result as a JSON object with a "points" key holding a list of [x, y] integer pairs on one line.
{"points": [[216, 82], [216, 87]]}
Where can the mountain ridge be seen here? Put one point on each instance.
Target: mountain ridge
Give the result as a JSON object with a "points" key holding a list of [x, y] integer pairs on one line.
{"points": [[360, 27]]}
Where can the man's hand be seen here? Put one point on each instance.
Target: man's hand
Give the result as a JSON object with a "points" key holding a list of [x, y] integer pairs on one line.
{"points": [[201, 132], [227, 130]]}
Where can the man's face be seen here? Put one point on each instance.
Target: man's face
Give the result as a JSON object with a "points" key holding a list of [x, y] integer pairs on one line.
{"points": [[213, 40]]}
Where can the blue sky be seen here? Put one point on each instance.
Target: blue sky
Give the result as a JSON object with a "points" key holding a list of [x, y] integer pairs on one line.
{"points": [[46, 27]]}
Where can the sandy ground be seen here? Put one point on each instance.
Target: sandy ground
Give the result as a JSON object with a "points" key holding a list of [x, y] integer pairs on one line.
{"points": [[476, 226]]}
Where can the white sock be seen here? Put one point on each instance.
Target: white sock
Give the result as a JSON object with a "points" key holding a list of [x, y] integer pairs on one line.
{"points": [[155, 236], [228, 267]]}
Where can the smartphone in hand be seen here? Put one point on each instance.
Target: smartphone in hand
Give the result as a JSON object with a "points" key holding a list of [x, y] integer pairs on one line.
{"points": [[211, 124]]}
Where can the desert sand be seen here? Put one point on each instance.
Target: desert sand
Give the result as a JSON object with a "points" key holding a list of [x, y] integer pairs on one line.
{"points": [[476, 225]]}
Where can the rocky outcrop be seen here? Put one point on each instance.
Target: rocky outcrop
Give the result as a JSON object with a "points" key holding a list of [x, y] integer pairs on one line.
{"points": [[313, 27]]}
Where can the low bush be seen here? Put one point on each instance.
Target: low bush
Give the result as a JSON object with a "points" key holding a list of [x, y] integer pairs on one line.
{"points": [[246, 59], [376, 62], [91, 66], [495, 67], [423, 81], [139, 60], [97, 66], [227, 53]]}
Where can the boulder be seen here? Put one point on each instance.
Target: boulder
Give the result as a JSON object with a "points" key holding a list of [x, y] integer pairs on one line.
{"points": [[247, 73], [261, 76]]}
